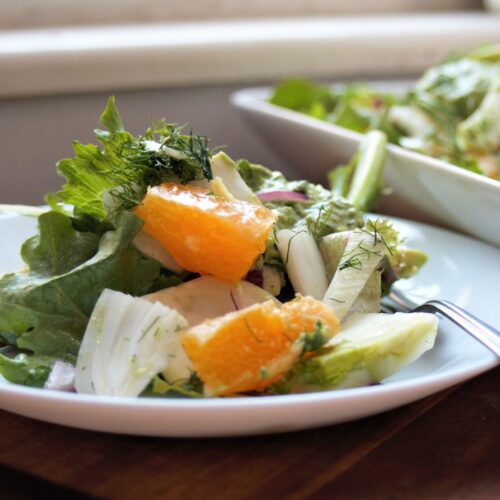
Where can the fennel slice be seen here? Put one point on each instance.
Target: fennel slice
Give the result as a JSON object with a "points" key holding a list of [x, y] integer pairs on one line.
{"points": [[127, 342], [225, 168], [303, 261], [368, 349], [150, 247], [190, 298], [99, 323], [361, 257]]}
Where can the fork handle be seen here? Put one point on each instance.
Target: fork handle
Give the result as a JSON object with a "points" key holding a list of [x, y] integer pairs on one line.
{"points": [[486, 334]]}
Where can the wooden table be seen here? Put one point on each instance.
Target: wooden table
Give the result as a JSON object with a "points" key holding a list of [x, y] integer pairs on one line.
{"points": [[445, 446]]}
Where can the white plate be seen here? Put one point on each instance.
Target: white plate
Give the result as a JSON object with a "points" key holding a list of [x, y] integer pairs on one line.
{"points": [[423, 186], [459, 269]]}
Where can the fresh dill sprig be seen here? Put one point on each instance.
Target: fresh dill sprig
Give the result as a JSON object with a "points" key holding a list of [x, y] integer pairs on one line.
{"points": [[250, 330], [192, 150], [164, 153], [296, 233], [317, 222], [149, 327], [355, 260], [313, 341], [383, 233]]}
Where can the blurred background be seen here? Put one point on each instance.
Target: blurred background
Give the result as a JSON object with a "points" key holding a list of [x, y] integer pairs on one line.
{"points": [[61, 59]]}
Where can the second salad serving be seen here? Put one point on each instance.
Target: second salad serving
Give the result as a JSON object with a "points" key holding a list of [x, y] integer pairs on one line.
{"points": [[451, 113]]}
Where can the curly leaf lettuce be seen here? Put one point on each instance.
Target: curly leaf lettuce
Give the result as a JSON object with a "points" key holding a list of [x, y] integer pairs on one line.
{"points": [[107, 179]]}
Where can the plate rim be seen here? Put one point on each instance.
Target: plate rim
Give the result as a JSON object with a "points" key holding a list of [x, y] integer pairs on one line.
{"points": [[399, 392], [483, 364]]}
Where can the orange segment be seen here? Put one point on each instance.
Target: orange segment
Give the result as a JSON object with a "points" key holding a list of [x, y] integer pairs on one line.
{"points": [[206, 234], [229, 352], [250, 349], [304, 313]]}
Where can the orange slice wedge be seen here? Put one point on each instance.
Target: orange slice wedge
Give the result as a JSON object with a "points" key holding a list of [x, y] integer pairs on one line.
{"points": [[248, 350], [206, 234]]}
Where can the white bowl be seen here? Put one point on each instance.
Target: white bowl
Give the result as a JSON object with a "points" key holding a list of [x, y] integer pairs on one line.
{"points": [[424, 188], [492, 5]]}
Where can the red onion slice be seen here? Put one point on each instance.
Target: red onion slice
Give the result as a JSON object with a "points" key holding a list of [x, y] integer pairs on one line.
{"points": [[236, 306], [255, 277], [61, 378], [292, 196]]}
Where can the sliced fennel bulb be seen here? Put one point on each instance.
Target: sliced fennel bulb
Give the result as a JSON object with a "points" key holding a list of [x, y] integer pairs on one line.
{"points": [[150, 247], [127, 342], [303, 261], [368, 349], [207, 297], [225, 168], [362, 255], [272, 280], [226, 179], [332, 249]]}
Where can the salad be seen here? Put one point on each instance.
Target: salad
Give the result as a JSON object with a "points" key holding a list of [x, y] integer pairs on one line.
{"points": [[163, 268], [452, 112]]}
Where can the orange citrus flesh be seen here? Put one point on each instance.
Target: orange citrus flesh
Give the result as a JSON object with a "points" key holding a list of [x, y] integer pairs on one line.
{"points": [[206, 234], [248, 350], [303, 314]]}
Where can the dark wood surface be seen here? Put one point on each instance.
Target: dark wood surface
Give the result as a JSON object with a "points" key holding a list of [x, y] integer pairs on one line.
{"points": [[444, 446]]}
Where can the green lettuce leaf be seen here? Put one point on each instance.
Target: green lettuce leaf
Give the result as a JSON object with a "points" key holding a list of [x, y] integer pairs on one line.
{"points": [[57, 248], [190, 388], [111, 118], [92, 173], [457, 87], [26, 370], [355, 107], [304, 96], [47, 307]]}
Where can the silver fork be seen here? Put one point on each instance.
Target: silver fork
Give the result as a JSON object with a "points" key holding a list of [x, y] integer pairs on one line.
{"points": [[481, 331]]}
